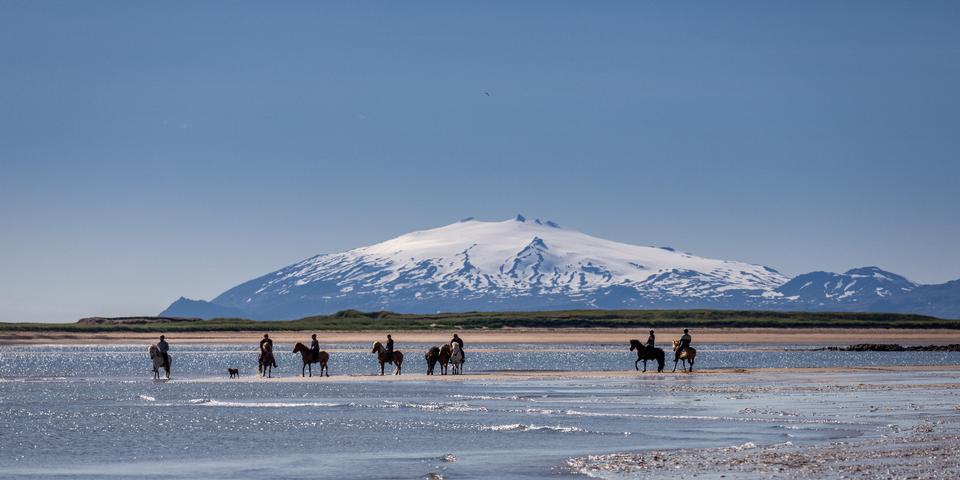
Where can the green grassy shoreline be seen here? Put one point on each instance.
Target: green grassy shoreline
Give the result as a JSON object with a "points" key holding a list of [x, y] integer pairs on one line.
{"points": [[358, 321]]}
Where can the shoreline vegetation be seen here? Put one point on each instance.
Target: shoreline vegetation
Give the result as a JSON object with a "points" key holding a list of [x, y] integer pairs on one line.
{"points": [[352, 320]]}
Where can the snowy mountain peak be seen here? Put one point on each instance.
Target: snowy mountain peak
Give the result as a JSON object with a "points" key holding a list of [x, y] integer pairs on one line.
{"points": [[478, 265], [517, 264]]}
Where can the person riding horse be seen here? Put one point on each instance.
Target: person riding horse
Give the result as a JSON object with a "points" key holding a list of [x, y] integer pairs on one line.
{"points": [[456, 339], [315, 346], [164, 347], [389, 346], [684, 343], [266, 345], [651, 343]]}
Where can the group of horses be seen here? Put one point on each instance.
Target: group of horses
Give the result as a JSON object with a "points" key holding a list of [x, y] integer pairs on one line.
{"points": [[648, 352], [449, 355]]}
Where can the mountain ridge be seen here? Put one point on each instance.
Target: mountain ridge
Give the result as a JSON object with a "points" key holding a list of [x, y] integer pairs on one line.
{"points": [[525, 265]]}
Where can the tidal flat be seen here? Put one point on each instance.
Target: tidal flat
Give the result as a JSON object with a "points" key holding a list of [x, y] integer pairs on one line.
{"points": [[521, 411]]}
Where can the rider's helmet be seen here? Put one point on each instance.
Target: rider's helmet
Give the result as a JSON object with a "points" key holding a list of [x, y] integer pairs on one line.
{"points": [[314, 336], [651, 332], [686, 330], [266, 336], [161, 337]]}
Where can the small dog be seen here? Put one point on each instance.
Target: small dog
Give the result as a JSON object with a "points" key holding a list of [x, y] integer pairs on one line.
{"points": [[234, 372]]}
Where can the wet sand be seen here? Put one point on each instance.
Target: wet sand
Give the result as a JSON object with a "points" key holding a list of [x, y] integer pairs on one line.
{"points": [[715, 376], [916, 441], [768, 336]]}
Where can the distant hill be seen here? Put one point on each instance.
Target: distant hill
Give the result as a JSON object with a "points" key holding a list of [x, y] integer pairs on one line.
{"points": [[530, 265], [133, 320], [352, 320]]}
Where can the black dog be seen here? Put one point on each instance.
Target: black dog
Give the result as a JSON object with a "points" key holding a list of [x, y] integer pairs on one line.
{"points": [[234, 372]]}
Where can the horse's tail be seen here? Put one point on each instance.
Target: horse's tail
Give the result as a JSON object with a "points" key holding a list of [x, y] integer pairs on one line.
{"points": [[660, 359]]}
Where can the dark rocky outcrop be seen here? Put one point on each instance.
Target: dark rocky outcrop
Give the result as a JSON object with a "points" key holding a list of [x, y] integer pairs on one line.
{"points": [[888, 347]]}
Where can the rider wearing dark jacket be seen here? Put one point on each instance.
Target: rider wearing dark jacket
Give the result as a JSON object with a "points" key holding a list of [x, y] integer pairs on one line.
{"points": [[389, 346], [652, 339], [684, 343], [456, 339], [315, 346], [164, 347]]}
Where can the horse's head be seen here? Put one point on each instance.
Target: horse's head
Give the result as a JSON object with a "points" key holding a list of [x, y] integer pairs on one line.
{"points": [[377, 346], [634, 344], [299, 346], [676, 344], [153, 351]]}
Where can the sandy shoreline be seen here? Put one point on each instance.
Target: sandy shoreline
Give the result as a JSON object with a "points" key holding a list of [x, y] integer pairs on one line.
{"points": [[770, 336]]}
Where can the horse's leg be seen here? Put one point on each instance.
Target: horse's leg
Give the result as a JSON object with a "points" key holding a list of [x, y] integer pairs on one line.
{"points": [[381, 369], [675, 366]]}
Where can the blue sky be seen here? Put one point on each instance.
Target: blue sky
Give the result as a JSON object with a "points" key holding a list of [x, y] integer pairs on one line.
{"points": [[155, 149]]}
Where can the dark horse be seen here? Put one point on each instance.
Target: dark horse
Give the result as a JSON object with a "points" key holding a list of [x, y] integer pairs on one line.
{"points": [[444, 358], [646, 353], [265, 363], [309, 359], [432, 356], [383, 356]]}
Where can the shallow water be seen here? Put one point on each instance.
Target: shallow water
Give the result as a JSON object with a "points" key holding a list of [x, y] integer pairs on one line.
{"points": [[214, 359], [91, 412]]}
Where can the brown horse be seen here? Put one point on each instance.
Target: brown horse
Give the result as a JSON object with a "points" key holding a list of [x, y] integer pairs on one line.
{"points": [[309, 359], [432, 356], [644, 353], [444, 358], [383, 356], [685, 355], [265, 363]]}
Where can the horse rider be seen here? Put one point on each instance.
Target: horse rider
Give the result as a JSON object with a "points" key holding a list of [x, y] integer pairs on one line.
{"points": [[684, 342], [651, 340], [389, 347], [163, 347], [315, 347], [267, 345], [456, 339]]}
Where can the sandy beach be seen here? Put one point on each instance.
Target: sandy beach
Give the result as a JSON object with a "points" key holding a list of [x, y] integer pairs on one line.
{"points": [[770, 336]]}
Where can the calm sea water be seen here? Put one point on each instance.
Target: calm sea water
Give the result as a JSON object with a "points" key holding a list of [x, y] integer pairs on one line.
{"points": [[93, 412]]}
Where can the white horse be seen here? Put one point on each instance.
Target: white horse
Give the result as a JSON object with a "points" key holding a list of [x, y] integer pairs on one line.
{"points": [[157, 358], [456, 359]]}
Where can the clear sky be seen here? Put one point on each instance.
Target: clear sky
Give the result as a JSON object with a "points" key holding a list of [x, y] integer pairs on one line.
{"points": [[155, 149]]}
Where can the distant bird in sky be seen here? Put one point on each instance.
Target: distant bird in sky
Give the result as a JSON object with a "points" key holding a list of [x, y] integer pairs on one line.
{"points": [[486, 93]]}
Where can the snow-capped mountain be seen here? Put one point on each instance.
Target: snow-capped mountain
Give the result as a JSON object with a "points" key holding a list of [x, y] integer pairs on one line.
{"points": [[521, 264], [517, 264], [854, 287]]}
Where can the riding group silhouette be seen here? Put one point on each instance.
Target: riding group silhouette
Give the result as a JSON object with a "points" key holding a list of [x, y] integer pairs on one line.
{"points": [[449, 356]]}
